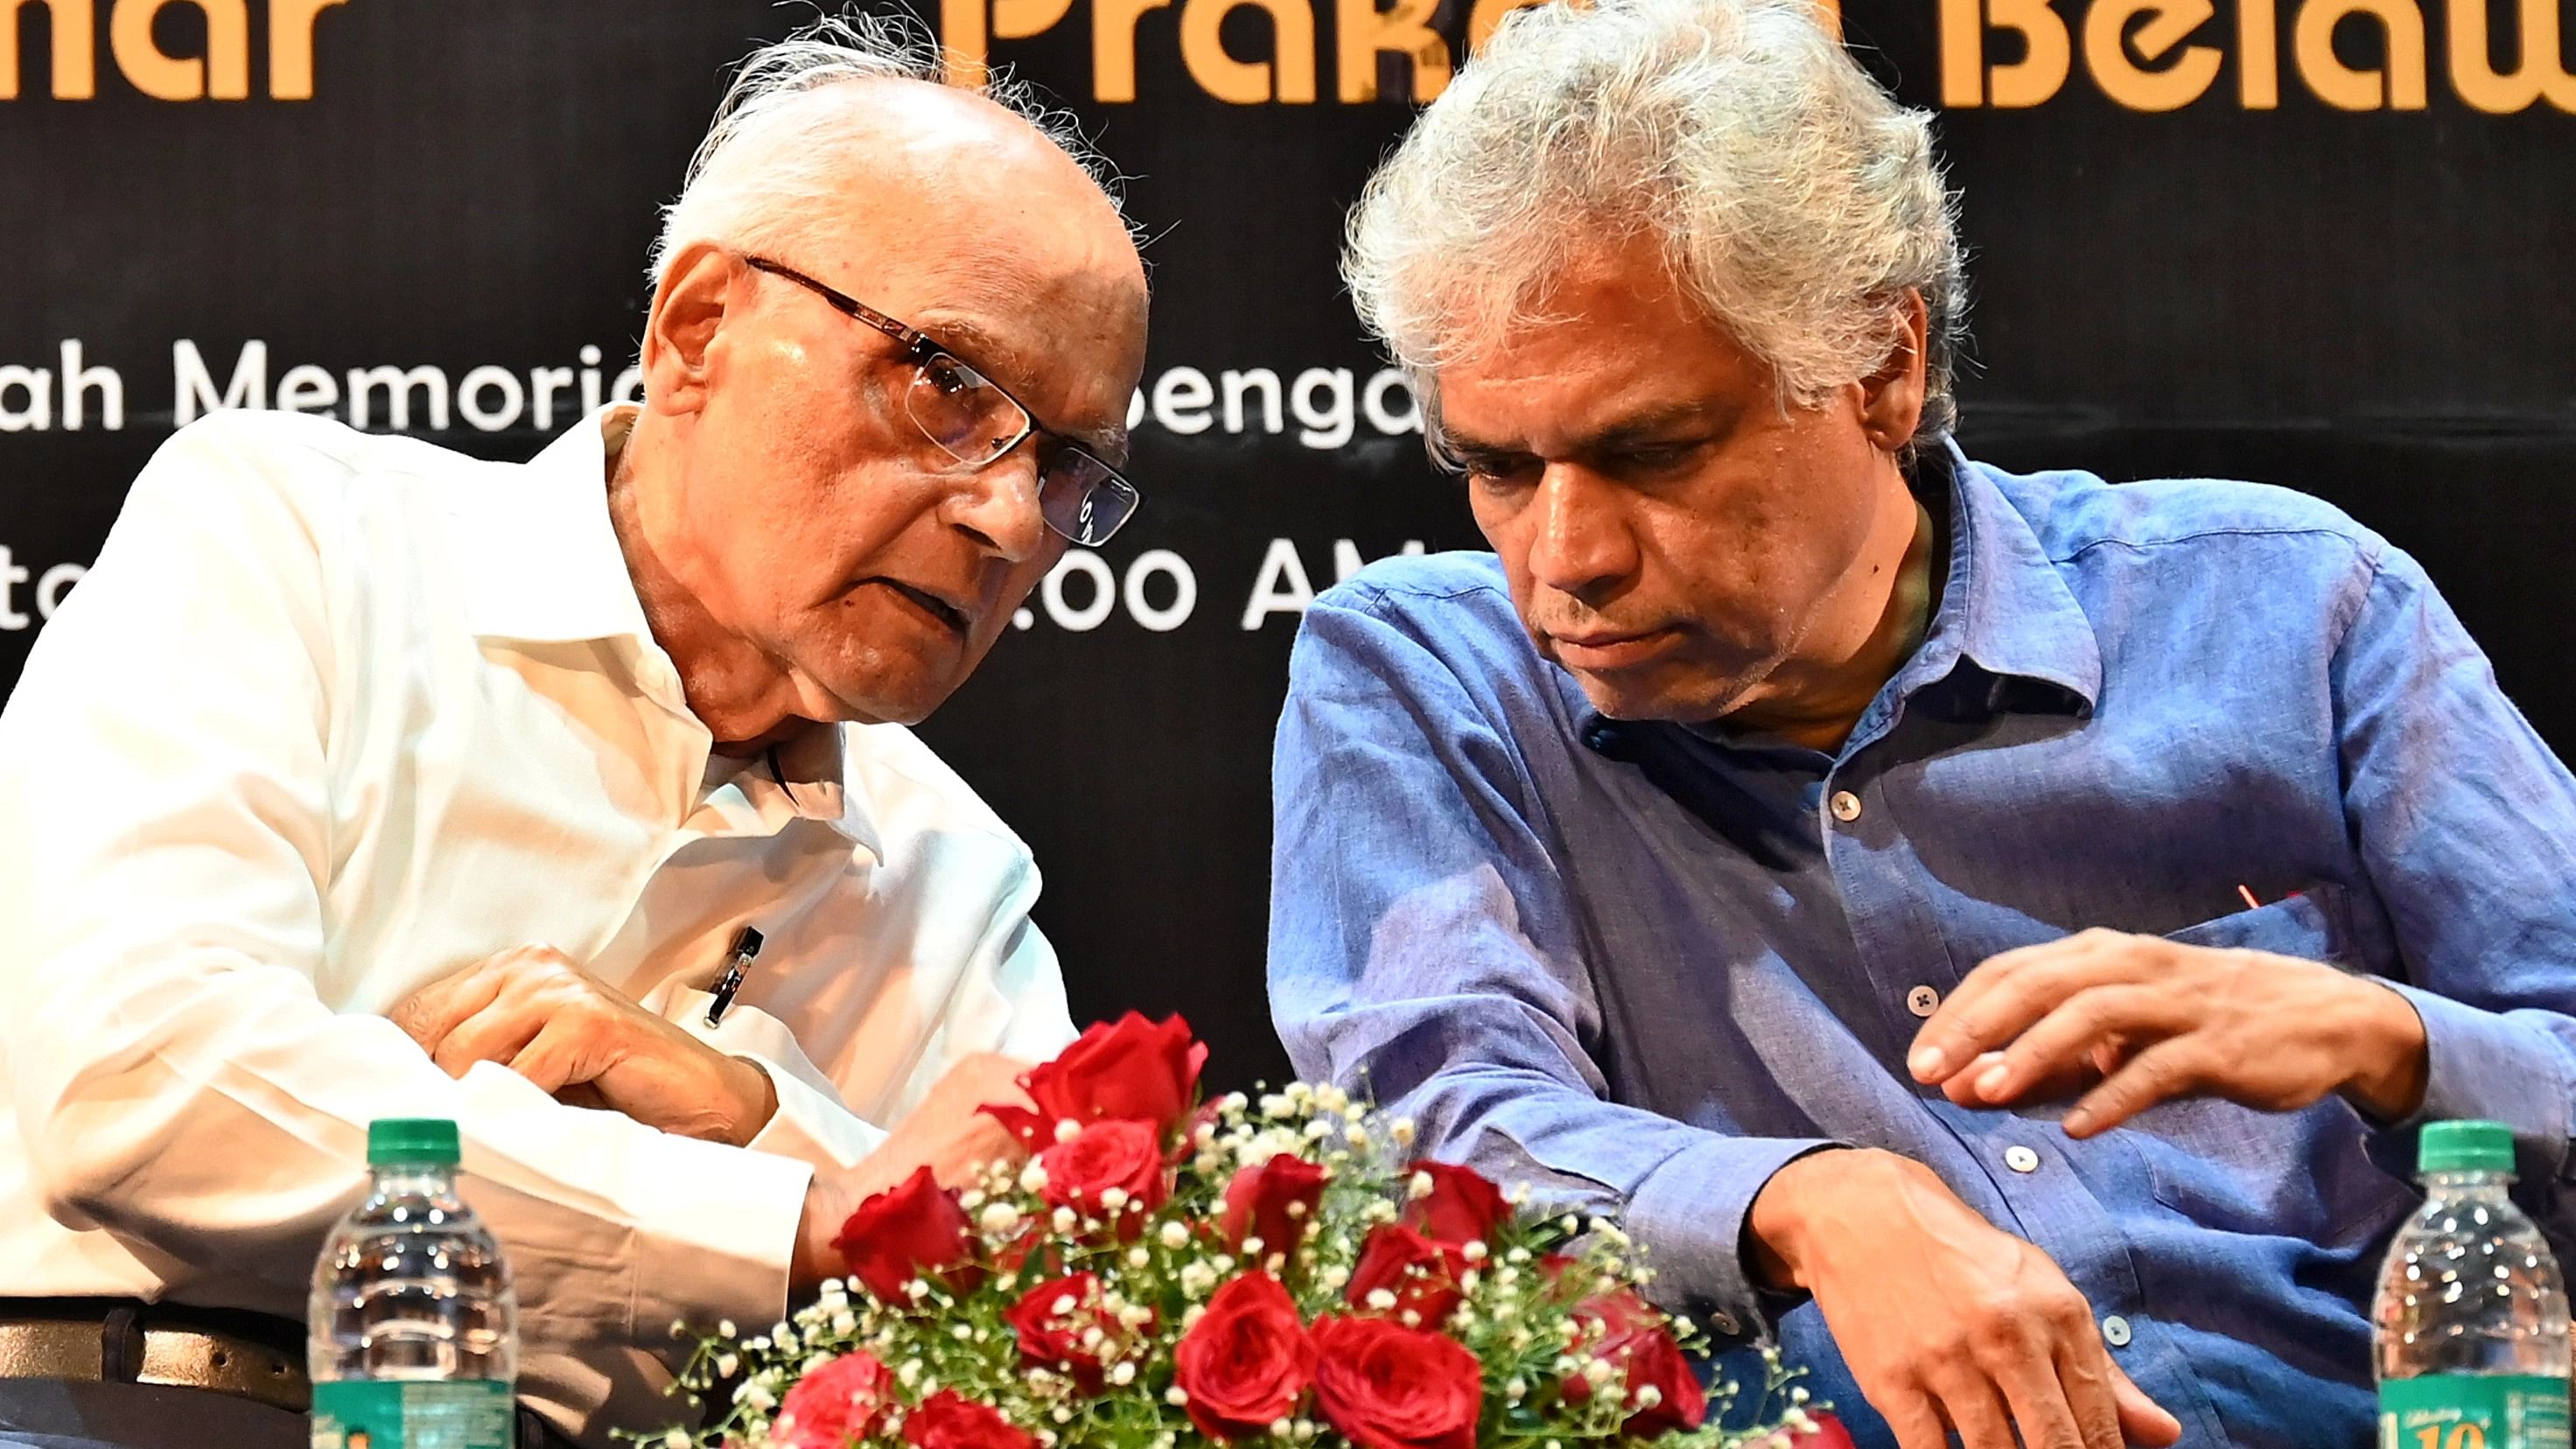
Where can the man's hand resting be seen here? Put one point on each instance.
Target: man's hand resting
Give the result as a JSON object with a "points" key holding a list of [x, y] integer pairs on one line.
{"points": [[947, 1133], [1946, 1321], [2130, 1021], [532, 1010]]}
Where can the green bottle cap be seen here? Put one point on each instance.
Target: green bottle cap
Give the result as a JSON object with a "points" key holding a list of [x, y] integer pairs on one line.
{"points": [[413, 1141], [2465, 1147]]}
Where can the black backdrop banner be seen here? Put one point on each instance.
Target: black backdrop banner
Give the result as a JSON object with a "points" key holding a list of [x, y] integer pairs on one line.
{"points": [[2327, 243]]}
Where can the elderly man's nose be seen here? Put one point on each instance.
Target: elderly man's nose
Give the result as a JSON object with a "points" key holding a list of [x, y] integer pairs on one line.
{"points": [[1578, 539], [998, 505]]}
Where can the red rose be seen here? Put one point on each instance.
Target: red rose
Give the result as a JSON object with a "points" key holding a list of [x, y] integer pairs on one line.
{"points": [[1633, 1339], [1423, 1275], [1273, 1202], [945, 1421], [1388, 1387], [903, 1233], [1124, 1155], [1462, 1207], [1133, 1069], [1050, 1321], [1246, 1362], [834, 1404]]}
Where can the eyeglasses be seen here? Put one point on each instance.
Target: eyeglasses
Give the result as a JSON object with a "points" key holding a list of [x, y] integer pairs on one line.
{"points": [[977, 424]]}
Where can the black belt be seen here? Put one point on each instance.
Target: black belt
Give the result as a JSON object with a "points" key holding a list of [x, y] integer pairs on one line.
{"points": [[221, 1350]]}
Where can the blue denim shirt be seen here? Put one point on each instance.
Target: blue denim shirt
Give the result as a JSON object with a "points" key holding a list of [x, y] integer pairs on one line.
{"points": [[1640, 968]]}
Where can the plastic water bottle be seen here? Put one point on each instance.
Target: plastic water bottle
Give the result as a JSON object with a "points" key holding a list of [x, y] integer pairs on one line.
{"points": [[415, 1332], [2472, 1315]]}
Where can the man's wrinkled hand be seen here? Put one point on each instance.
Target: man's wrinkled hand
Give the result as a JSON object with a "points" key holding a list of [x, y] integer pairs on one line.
{"points": [[2131, 1021], [947, 1133], [533, 1010], [1946, 1322]]}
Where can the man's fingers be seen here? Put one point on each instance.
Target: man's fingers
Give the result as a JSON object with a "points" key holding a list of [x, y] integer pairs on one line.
{"points": [[1916, 1424], [497, 1033], [2060, 1045], [2142, 1419], [2085, 1370], [1976, 1412], [2161, 1071], [2040, 1409], [2003, 996], [2056, 1087], [551, 1059], [429, 1014]]}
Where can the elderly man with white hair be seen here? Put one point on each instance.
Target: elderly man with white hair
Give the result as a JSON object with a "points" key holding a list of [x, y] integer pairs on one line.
{"points": [[1999, 933], [361, 779]]}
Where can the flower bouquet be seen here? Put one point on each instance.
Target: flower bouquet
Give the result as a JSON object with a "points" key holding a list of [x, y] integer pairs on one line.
{"points": [[1276, 1272]]}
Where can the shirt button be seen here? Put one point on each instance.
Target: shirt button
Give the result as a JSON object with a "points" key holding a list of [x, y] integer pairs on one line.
{"points": [[2022, 1159], [1845, 805], [1923, 1001], [2115, 1331]]}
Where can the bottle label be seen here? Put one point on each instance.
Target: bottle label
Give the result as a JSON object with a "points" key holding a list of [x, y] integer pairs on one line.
{"points": [[2473, 1411], [395, 1414]]}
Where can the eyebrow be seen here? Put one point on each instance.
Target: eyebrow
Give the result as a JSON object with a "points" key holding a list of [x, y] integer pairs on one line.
{"points": [[977, 346], [1640, 426]]}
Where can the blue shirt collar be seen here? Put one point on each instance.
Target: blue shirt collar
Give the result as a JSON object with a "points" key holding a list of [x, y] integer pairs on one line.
{"points": [[2004, 608]]}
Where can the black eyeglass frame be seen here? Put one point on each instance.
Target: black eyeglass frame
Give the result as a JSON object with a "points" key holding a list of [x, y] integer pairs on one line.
{"points": [[921, 349]]}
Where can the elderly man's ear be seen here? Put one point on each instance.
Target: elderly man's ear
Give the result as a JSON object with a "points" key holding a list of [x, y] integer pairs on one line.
{"points": [[1891, 399], [697, 287]]}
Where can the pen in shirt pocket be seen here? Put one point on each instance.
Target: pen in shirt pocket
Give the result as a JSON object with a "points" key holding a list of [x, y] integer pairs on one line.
{"points": [[738, 958]]}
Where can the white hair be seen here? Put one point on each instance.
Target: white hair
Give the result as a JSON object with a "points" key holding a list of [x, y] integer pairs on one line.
{"points": [[771, 160], [1794, 200]]}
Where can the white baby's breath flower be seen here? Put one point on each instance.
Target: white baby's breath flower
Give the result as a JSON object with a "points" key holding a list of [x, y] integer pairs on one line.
{"points": [[1304, 1432], [1197, 1279], [676, 1439], [1281, 1428], [1033, 1178], [1176, 1396], [1474, 1251], [1061, 1413], [1173, 1235], [1519, 1196], [1317, 1130], [1191, 1315], [963, 1333], [1334, 1277], [1276, 1104], [1409, 1317], [916, 1290], [1517, 1255], [908, 1372], [1649, 1396], [725, 1329], [1468, 1280], [1113, 1198], [1799, 1419], [1380, 1299], [998, 1218], [1252, 1247], [785, 1338], [1419, 1187], [1063, 1304], [727, 1365], [1332, 1098], [1046, 1438], [971, 1199], [1064, 1220], [1598, 1370], [1137, 1257], [1067, 1130], [1401, 1129], [1091, 1336], [1356, 1135], [1798, 1396], [1123, 1375], [1135, 1315], [1516, 1390]]}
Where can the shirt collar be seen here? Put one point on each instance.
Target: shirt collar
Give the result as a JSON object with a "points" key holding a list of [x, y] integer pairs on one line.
{"points": [[2004, 606], [543, 565], [542, 561]]}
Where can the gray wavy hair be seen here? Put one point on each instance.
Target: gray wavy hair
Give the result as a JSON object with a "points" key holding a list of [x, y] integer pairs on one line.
{"points": [[1795, 200], [770, 161]]}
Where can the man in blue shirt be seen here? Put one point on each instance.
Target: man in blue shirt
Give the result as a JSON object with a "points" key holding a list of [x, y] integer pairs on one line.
{"points": [[1999, 932]]}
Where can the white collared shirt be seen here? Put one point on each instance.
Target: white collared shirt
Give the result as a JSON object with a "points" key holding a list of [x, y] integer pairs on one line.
{"points": [[336, 716]]}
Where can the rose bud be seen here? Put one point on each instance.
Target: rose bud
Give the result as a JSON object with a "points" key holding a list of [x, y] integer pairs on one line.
{"points": [[1273, 1202], [1421, 1274], [1462, 1206], [915, 1230], [1130, 1069]]}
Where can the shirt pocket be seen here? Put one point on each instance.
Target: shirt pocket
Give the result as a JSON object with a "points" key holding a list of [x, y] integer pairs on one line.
{"points": [[2297, 1174]]}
